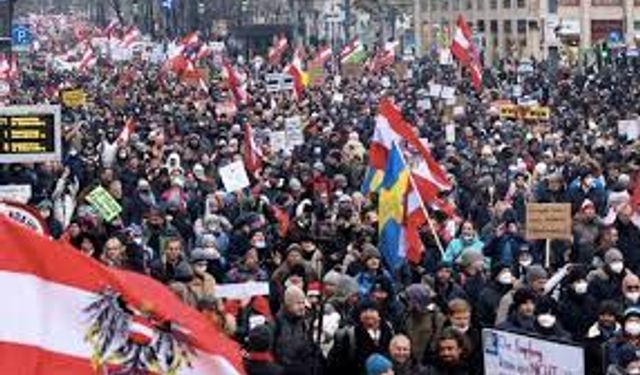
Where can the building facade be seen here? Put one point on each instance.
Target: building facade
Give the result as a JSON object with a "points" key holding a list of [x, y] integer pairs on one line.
{"points": [[501, 27], [588, 22], [534, 28]]}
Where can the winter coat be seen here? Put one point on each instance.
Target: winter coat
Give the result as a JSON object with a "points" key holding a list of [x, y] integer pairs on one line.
{"points": [[629, 243], [353, 345], [203, 286], [614, 348], [503, 248], [585, 235], [576, 195], [439, 368], [411, 367], [576, 312], [517, 324], [604, 284], [594, 345], [457, 245], [292, 344], [261, 367], [488, 302], [422, 329], [165, 272]]}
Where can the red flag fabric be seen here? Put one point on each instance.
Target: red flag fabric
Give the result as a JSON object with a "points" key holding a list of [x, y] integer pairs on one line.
{"points": [[239, 93], [66, 313], [127, 130], [464, 50], [252, 154], [278, 49]]}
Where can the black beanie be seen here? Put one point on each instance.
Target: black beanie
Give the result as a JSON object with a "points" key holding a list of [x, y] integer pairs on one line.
{"points": [[259, 339]]}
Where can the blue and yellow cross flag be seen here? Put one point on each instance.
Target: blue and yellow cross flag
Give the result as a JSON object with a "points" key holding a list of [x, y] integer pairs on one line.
{"points": [[391, 209]]}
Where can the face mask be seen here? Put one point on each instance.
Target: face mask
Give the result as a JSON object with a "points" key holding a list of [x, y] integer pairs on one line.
{"points": [[505, 278], [462, 329], [634, 371], [467, 238], [632, 328], [632, 296], [525, 262], [616, 267], [580, 287], [546, 320], [260, 244]]}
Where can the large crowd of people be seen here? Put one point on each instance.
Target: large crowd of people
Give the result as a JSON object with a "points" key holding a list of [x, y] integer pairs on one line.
{"points": [[305, 227]]}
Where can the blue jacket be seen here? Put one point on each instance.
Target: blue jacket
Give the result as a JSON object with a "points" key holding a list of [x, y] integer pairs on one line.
{"points": [[455, 247]]}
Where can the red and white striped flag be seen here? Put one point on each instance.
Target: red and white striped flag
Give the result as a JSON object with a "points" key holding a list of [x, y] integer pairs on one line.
{"points": [[128, 129], [111, 28], [466, 52], [278, 49], [295, 70], [322, 56], [385, 57], [131, 36], [236, 85], [66, 313], [88, 59], [252, 153], [8, 67]]}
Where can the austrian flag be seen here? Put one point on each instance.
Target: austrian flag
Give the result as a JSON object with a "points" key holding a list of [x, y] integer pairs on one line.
{"points": [[66, 313], [466, 52]]}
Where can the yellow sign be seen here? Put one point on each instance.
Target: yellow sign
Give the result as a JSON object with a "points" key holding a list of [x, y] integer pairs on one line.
{"points": [[74, 98], [512, 111], [549, 221]]}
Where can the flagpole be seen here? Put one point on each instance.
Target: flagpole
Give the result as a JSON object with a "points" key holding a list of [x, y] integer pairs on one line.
{"points": [[422, 206]]}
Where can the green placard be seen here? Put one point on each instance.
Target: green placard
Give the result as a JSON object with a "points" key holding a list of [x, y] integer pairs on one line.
{"points": [[102, 201]]}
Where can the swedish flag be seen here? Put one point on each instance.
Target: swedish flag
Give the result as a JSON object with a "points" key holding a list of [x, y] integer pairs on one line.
{"points": [[372, 180], [391, 207]]}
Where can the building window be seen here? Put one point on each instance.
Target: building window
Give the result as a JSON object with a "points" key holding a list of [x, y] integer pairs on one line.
{"points": [[480, 4], [469, 4], [506, 4], [434, 6], [522, 26], [567, 3], [506, 27], [606, 2], [522, 4], [445, 5], [481, 26], [493, 4], [494, 26], [456, 4], [636, 25]]}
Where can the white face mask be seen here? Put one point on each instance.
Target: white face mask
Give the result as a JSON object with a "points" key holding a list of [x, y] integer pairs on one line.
{"points": [[580, 287], [634, 371], [616, 267], [526, 262], [505, 278], [632, 296], [546, 320], [632, 328], [260, 244]]}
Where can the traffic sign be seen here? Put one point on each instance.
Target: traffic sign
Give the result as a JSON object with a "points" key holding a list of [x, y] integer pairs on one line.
{"points": [[21, 35]]}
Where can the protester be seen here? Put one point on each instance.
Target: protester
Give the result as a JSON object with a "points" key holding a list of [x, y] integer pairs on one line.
{"points": [[310, 226]]}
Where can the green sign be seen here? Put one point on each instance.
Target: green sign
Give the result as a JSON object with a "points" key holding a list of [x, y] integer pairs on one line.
{"points": [[102, 201]]}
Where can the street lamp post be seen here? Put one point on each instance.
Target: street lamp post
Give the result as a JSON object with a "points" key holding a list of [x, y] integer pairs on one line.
{"points": [[135, 8], [201, 20]]}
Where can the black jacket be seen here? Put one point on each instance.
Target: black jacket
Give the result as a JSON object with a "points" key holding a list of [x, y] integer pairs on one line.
{"points": [[262, 368], [488, 302], [353, 345]]}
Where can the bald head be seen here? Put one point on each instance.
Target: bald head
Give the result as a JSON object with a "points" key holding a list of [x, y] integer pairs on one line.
{"points": [[400, 348]]}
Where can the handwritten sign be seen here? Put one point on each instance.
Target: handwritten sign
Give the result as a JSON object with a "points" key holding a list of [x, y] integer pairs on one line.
{"points": [[512, 111], [16, 193], [278, 140], [508, 353], [74, 98], [242, 290], [234, 176], [629, 128], [102, 201], [548, 221], [294, 131]]}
